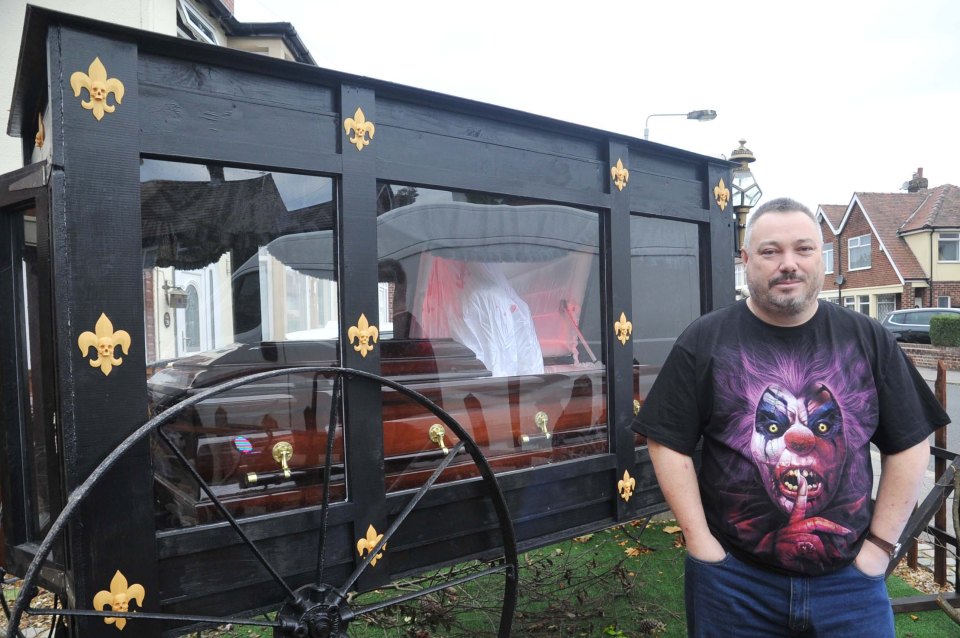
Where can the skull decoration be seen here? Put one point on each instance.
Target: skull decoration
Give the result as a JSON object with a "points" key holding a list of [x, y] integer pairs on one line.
{"points": [[98, 91], [363, 333], [105, 340], [722, 194], [369, 543], [626, 485], [97, 84], [118, 598], [361, 129]]}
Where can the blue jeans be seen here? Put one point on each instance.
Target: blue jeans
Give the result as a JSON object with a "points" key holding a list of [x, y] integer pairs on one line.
{"points": [[731, 598]]}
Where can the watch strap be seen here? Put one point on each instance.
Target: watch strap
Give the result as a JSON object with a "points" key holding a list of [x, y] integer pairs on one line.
{"points": [[888, 547]]}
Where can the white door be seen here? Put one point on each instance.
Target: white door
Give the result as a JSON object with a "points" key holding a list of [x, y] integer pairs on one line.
{"points": [[194, 327]]}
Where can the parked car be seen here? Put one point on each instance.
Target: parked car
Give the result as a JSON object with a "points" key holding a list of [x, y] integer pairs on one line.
{"points": [[913, 325]]}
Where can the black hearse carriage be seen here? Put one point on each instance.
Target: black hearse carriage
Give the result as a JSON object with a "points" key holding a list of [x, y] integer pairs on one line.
{"points": [[273, 332]]}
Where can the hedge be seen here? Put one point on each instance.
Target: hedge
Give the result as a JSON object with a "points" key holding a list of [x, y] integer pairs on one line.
{"points": [[945, 330]]}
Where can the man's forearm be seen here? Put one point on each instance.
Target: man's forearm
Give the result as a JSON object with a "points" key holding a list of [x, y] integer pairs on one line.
{"points": [[678, 482], [901, 477]]}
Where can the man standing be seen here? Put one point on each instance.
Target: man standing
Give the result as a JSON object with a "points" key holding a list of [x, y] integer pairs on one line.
{"points": [[787, 394]]}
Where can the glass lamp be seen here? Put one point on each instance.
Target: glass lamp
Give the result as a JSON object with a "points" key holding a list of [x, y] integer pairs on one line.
{"points": [[745, 190]]}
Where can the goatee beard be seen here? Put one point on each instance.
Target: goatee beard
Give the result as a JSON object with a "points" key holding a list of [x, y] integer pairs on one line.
{"points": [[782, 304]]}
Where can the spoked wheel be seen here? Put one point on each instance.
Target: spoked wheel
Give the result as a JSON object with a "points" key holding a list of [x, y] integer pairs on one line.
{"points": [[319, 609]]}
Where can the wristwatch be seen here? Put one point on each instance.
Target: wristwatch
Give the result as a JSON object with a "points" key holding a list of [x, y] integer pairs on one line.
{"points": [[886, 546]]}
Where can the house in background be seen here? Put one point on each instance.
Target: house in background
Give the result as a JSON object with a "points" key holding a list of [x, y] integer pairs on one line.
{"points": [[886, 251], [210, 21]]}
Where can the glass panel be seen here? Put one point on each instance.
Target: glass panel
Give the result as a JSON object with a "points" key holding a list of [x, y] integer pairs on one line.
{"points": [[239, 278], [665, 271], [495, 308], [40, 466]]}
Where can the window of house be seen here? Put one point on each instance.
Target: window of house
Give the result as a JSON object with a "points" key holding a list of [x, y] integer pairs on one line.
{"points": [[828, 257], [885, 305], [199, 27], [858, 249], [863, 304], [849, 302], [943, 301], [948, 247]]}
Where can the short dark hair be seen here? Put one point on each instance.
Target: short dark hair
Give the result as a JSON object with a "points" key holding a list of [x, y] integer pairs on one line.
{"points": [[779, 205]]}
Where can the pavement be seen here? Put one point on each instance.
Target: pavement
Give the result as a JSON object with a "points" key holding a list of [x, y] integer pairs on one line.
{"points": [[930, 374]]}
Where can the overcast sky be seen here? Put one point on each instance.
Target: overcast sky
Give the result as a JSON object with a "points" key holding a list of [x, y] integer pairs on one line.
{"points": [[832, 97]]}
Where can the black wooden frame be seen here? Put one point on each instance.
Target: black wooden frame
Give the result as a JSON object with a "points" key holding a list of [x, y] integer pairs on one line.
{"points": [[191, 102]]}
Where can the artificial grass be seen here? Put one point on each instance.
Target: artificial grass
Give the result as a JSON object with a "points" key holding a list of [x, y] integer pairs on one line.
{"points": [[624, 582], [639, 572]]}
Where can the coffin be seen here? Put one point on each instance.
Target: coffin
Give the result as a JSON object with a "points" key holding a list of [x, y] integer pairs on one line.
{"points": [[262, 447]]}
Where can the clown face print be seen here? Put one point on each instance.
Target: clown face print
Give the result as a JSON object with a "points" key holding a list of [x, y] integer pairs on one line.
{"points": [[799, 447]]}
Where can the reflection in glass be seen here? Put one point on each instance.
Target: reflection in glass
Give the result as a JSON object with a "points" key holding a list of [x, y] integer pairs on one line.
{"points": [[665, 274], [239, 277], [494, 310]]}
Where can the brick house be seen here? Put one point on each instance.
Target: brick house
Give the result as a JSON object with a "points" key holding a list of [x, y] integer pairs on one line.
{"points": [[886, 251]]}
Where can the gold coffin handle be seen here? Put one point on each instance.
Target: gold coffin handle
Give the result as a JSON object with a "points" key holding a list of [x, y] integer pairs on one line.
{"points": [[542, 421], [282, 452], [436, 433]]}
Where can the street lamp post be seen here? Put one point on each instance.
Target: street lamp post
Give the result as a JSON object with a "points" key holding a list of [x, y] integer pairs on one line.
{"points": [[746, 191], [703, 115]]}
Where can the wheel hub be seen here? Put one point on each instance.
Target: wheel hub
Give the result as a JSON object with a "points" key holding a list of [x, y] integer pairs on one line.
{"points": [[317, 612]]}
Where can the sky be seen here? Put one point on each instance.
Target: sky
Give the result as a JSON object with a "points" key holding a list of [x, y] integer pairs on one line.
{"points": [[832, 97]]}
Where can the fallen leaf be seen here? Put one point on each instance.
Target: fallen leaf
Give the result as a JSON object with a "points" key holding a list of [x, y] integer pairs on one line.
{"points": [[672, 529], [583, 539], [914, 617]]}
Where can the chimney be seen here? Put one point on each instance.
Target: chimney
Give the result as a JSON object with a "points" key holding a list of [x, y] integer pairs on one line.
{"points": [[918, 183]]}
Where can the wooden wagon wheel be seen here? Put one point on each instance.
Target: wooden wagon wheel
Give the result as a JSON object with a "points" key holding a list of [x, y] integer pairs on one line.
{"points": [[318, 610]]}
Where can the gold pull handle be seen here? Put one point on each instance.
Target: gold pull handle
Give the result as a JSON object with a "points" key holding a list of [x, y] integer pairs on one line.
{"points": [[636, 407], [436, 434], [282, 452], [542, 421]]}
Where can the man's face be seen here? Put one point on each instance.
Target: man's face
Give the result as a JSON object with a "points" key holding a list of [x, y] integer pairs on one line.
{"points": [[784, 266]]}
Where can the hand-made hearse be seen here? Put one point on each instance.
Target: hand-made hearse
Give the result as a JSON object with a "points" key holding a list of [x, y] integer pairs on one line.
{"points": [[274, 332]]}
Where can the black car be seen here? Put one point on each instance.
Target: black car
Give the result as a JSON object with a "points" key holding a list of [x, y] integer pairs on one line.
{"points": [[913, 326]]}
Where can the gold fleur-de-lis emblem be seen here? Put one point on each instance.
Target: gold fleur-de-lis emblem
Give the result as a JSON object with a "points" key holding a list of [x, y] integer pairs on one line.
{"points": [[366, 545], [619, 174], [99, 87], [626, 485], [360, 128], [363, 333], [623, 328], [119, 598], [105, 340], [722, 193]]}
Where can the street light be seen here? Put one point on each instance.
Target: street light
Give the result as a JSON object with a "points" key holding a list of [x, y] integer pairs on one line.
{"points": [[703, 115], [746, 191]]}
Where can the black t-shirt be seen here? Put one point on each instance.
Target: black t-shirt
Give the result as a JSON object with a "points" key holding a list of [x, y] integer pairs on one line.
{"points": [[787, 416]]}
